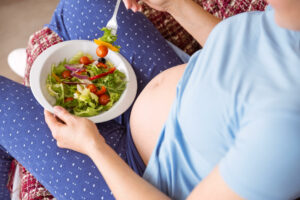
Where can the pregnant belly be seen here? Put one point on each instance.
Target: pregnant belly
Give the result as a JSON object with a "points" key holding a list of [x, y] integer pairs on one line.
{"points": [[151, 110]]}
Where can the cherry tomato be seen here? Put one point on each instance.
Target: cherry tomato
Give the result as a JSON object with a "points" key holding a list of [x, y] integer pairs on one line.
{"points": [[101, 51], [92, 88], [104, 99], [66, 74], [67, 99], [85, 60], [101, 91]]}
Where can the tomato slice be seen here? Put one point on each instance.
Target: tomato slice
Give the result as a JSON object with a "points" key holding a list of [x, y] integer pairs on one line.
{"points": [[67, 99], [104, 99], [101, 91], [66, 74], [92, 88]]}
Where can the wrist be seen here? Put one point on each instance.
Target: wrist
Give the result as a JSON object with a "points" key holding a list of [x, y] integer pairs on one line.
{"points": [[96, 147], [174, 6]]}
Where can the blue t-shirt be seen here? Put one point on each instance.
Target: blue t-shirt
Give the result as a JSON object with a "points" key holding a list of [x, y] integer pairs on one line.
{"points": [[237, 106]]}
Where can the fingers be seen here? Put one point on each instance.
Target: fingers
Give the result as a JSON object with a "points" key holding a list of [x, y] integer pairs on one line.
{"points": [[128, 3], [64, 115], [51, 121], [59, 144], [133, 5]]}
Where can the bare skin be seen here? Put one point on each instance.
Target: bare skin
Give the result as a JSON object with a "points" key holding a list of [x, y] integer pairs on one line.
{"points": [[151, 110]]}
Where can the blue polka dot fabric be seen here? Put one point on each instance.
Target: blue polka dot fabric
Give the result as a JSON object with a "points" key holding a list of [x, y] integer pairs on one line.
{"points": [[27, 138], [5, 161], [141, 43]]}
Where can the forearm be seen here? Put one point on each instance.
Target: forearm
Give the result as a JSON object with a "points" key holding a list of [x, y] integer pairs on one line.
{"points": [[194, 19], [121, 179]]}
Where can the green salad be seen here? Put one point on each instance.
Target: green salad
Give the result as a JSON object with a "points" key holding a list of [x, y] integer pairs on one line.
{"points": [[84, 86]]}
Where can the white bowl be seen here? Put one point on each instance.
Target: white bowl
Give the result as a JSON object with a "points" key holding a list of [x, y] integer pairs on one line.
{"points": [[57, 53]]}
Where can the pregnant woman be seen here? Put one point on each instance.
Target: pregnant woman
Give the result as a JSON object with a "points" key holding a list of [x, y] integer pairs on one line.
{"points": [[224, 126]]}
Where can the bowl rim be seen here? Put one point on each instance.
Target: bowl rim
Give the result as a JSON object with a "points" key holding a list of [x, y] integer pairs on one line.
{"points": [[117, 109]]}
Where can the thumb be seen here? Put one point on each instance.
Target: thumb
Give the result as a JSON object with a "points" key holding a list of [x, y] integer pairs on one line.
{"points": [[63, 114], [127, 3]]}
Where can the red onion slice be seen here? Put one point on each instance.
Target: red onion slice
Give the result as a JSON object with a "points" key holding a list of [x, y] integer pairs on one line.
{"points": [[75, 67], [79, 76]]}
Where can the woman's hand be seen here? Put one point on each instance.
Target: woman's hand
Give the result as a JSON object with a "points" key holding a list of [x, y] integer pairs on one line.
{"points": [[161, 5], [76, 133]]}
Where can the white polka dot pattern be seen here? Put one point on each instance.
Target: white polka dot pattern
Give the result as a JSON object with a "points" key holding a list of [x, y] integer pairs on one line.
{"points": [[5, 161], [27, 138], [141, 43]]}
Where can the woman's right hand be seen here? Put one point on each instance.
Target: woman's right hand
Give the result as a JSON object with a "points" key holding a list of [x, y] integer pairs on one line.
{"points": [[161, 5], [76, 133]]}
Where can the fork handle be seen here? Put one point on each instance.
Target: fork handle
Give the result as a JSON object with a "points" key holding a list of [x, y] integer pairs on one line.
{"points": [[116, 9]]}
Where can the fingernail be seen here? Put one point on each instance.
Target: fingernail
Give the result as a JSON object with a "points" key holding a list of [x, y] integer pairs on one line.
{"points": [[58, 109]]}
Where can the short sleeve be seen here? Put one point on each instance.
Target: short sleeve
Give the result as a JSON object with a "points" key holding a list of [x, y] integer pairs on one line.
{"points": [[264, 162]]}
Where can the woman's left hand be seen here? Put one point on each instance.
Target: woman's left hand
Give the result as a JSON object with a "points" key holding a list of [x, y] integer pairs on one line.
{"points": [[76, 133]]}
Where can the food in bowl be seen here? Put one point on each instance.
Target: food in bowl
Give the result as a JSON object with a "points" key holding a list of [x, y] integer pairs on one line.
{"points": [[84, 86]]}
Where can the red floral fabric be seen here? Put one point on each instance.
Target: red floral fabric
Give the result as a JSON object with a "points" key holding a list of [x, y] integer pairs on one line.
{"points": [[38, 42], [172, 31], [31, 189]]}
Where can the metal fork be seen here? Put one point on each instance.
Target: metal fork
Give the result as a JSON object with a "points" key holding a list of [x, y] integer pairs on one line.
{"points": [[112, 23]]}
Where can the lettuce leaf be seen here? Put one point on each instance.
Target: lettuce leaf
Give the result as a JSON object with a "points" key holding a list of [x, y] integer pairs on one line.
{"points": [[87, 111], [75, 59], [84, 103], [108, 36], [59, 68]]}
